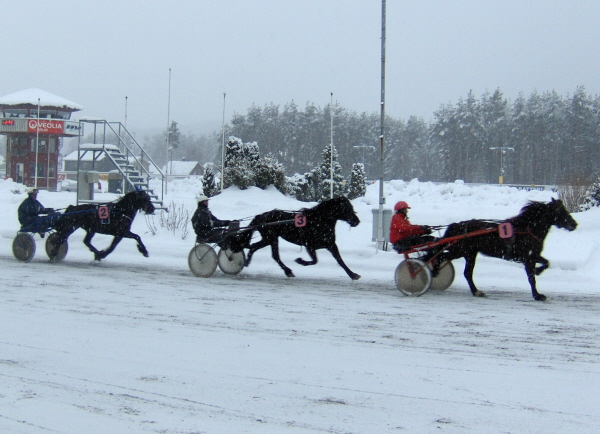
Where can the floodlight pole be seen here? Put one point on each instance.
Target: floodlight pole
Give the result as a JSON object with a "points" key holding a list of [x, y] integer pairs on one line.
{"points": [[331, 148], [37, 144], [363, 147], [168, 133], [503, 150], [380, 238], [223, 145]]}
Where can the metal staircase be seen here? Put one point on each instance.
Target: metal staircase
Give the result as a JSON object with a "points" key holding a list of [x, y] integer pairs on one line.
{"points": [[129, 158]]}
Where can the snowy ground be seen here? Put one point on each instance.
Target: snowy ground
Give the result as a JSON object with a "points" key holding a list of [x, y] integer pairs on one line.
{"points": [[139, 345]]}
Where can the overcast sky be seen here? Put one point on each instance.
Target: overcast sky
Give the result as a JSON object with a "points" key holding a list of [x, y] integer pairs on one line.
{"points": [[96, 53]]}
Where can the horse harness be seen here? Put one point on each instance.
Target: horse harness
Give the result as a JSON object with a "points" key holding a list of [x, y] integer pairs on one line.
{"points": [[105, 210]]}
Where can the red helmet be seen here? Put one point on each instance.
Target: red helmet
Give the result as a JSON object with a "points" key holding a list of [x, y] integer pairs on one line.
{"points": [[401, 205]]}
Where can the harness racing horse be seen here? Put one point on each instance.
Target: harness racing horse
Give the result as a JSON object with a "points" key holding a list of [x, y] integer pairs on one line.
{"points": [[317, 233], [518, 239], [116, 221]]}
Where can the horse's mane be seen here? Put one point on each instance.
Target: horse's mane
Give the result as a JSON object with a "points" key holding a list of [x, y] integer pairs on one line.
{"points": [[326, 204], [532, 211], [127, 198], [532, 207], [128, 195]]}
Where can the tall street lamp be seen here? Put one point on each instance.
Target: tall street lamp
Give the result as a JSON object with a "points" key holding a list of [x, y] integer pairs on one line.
{"points": [[363, 147], [502, 150]]}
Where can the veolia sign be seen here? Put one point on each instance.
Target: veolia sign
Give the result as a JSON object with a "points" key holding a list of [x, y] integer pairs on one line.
{"points": [[45, 126]]}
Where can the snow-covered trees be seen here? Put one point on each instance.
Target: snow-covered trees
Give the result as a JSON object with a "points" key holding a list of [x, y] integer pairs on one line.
{"points": [[174, 135], [315, 186], [325, 175], [553, 139], [244, 167], [238, 165], [357, 186], [209, 184], [268, 171]]}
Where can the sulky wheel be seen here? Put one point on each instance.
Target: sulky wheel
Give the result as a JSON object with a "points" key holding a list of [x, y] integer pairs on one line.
{"points": [[230, 262], [24, 247], [56, 252], [202, 260], [444, 278], [413, 277]]}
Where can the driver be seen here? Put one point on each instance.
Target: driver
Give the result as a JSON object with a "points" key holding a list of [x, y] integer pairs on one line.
{"points": [[30, 209], [403, 234], [205, 224]]}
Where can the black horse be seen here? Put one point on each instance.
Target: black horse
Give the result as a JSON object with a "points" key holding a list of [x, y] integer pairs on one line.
{"points": [[114, 218], [529, 229], [318, 232]]}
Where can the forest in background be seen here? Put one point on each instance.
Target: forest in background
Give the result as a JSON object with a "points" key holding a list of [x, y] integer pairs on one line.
{"points": [[543, 138]]}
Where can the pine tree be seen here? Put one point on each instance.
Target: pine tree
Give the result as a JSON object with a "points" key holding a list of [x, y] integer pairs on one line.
{"points": [[593, 198], [358, 186], [209, 186], [304, 187], [238, 169], [174, 135], [268, 171], [324, 175]]}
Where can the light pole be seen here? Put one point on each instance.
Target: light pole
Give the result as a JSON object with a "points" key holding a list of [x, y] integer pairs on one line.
{"points": [[363, 147], [168, 133], [503, 150], [37, 144], [223, 146], [380, 238], [331, 148]]}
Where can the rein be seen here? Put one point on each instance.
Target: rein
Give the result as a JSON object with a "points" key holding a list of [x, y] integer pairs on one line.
{"points": [[528, 232], [247, 228]]}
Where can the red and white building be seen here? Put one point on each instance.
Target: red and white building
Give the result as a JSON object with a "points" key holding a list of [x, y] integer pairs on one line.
{"points": [[35, 122]]}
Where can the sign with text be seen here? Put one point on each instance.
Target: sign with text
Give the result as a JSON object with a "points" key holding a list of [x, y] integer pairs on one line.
{"points": [[45, 126]]}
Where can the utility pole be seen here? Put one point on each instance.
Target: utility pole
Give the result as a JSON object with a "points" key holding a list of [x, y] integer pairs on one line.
{"points": [[37, 144], [223, 145], [363, 147], [502, 150], [168, 133], [331, 148], [380, 239]]}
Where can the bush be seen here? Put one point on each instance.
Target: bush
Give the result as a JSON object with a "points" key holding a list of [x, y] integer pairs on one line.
{"points": [[593, 197], [358, 182], [574, 192], [209, 186], [176, 220]]}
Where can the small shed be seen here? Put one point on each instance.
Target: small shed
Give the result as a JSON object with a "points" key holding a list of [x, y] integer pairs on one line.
{"points": [[183, 169]]}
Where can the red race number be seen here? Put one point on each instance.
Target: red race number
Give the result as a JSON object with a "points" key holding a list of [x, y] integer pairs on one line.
{"points": [[103, 212], [505, 230], [299, 220]]}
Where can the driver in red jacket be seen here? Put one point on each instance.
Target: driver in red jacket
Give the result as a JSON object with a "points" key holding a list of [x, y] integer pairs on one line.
{"points": [[403, 234]]}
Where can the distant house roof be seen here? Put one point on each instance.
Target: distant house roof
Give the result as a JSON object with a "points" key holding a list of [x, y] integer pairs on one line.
{"points": [[88, 155], [181, 168], [46, 99]]}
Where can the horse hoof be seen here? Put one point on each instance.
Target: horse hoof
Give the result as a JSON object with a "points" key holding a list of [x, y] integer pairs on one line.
{"points": [[540, 297], [289, 274], [479, 293], [300, 261], [355, 276]]}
